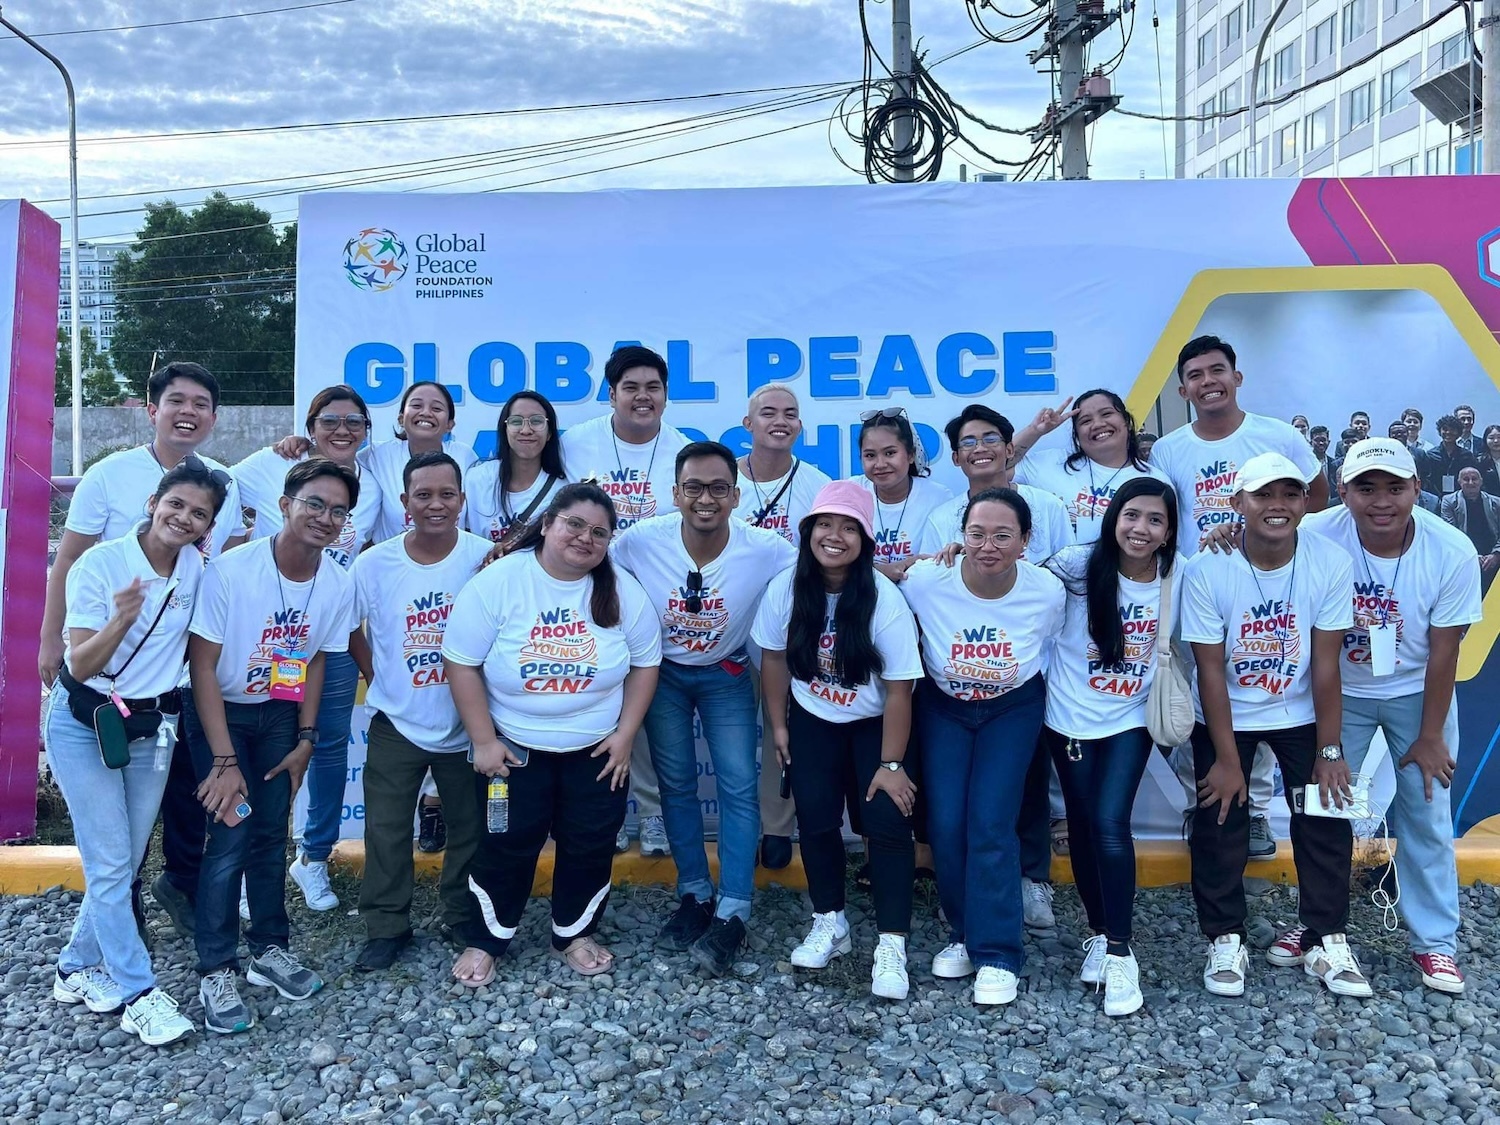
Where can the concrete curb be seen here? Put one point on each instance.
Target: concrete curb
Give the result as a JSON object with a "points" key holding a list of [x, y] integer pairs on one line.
{"points": [[26, 870]]}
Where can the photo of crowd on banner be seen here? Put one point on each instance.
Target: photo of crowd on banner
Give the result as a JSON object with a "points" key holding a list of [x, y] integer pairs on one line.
{"points": [[975, 681]]}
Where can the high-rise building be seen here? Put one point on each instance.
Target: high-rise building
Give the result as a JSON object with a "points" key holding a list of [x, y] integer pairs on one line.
{"points": [[1336, 92], [96, 290]]}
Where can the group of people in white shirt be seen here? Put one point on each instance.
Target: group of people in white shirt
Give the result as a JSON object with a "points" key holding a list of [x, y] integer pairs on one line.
{"points": [[957, 675]]}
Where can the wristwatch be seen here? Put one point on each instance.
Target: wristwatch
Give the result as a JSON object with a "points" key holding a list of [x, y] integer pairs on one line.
{"points": [[892, 766], [1332, 753], [308, 734]]}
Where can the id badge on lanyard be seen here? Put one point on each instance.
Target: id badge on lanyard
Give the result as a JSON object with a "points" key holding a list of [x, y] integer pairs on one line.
{"points": [[1383, 649], [288, 675]]}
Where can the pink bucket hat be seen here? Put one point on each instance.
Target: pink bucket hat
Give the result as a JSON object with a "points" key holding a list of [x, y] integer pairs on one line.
{"points": [[845, 498]]}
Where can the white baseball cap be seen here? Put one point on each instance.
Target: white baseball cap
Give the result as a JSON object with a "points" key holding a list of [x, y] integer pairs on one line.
{"points": [[1384, 454], [1263, 469]]}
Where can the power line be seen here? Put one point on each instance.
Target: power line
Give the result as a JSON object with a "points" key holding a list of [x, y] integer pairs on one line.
{"points": [[181, 23]]}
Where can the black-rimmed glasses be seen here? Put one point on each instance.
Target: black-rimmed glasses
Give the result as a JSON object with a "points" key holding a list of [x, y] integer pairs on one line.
{"points": [[338, 514], [693, 489]]}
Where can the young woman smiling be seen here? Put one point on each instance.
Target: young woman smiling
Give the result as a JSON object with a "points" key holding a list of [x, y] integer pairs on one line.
{"points": [[1099, 679], [506, 494], [905, 495]]}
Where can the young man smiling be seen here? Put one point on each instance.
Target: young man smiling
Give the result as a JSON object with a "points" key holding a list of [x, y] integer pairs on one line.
{"points": [[705, 573], [1267, 624], [629, 453], [266, 614], [1416, 590], [110, 501]]}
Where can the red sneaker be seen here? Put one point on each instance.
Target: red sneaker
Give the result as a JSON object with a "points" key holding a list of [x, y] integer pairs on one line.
{"points": [[1439, 971], [1286, 952]]}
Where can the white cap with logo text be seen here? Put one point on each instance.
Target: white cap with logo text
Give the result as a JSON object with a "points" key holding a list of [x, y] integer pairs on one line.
{"points": [[1264, 469], [1384, 454]]}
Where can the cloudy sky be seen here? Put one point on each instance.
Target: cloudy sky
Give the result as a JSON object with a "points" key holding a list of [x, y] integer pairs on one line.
{"points": [[341, 60]]}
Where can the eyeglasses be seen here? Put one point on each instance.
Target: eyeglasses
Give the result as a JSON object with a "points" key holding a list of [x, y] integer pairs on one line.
{"points": [[693, 602], [972, 442], [888, 413], [353, 422], [520, 421], [577, 526], [338, 515], [973, 537], [218, 476], [693, 489]]}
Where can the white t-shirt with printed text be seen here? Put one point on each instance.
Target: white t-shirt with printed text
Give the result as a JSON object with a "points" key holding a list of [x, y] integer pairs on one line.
{"points": [[1203, 472], [555, 677], [899, 527], [405, 606], [790, 507], [110, 500], [107, 568], [1050, 529], [893, 631], [386, 462], [638, 478], [1086, 491], [733, 585], [483, 513], [1265, 620], [262, 481], [980, 648], [1435, 584], [247, 606]]}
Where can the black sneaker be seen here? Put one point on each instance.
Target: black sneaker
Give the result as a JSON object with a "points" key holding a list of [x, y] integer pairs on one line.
{"points": [[178, 906], [381, 953], [688, 923], [715, 950], [432, 832], [775, 852]]}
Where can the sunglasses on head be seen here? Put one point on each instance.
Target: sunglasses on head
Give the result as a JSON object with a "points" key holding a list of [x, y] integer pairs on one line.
{"points": [[887, 414], [196, 464]]}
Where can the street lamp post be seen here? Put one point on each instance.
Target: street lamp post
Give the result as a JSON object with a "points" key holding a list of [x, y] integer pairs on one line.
{"points": [[74, 319]]}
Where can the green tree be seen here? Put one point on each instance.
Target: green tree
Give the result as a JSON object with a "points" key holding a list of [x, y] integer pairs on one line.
{"points": [[214, 285], [100, 387]]}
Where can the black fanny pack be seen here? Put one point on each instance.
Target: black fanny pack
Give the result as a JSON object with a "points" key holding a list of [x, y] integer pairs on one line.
{"points": [[145, 714]]}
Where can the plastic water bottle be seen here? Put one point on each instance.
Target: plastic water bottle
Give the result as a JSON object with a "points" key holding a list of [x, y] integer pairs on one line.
{"points": [[497, 805]]}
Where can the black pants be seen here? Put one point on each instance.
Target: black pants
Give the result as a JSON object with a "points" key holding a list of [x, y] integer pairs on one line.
{"points": [[555, 794], [183, 823], [1034, 829], [832, 767], [1322, 847], [914, 767], [1099, 789]]}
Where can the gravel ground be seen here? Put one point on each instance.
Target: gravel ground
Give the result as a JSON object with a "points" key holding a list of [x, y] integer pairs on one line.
{"points": [[657, 1041]]}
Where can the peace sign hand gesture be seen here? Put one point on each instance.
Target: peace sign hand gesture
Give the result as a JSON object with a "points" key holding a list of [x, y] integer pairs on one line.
{"points": [[1050, 418]]}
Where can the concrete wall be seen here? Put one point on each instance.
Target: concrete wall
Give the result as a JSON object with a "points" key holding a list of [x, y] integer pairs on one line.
{"points": [[239, 431]]}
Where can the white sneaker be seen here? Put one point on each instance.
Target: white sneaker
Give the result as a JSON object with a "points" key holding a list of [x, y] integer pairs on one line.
{"points": [[244, 902], [953, 962], [1332, 962], [1094, 950], [828, 938], [1122, 985], [622, 840], [994, 985], [312, 878], [888, 978], [1224, 975], [1036, 905], [155, 1019], [92, 987], [654, 837]]}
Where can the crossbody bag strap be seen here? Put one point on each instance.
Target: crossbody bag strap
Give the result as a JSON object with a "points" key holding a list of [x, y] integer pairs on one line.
{"points": [[1164, 621], [166, 601], [760, 517], [524, 518]]}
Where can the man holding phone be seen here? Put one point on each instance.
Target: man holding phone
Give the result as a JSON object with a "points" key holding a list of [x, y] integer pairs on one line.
{"points": [[266, 614]]}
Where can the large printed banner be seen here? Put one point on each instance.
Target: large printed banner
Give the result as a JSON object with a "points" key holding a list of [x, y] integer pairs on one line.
{"points": [[1339, 295], [29, 267]]}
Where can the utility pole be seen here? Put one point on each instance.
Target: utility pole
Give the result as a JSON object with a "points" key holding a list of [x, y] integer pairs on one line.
{"points": [[1489, 100], [1082, 99], [904, 127]]}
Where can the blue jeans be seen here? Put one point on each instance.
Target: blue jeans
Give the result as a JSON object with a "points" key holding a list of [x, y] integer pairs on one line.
{"points": [[1100, 789], [329, 768], [113, 812], [1425, 864], [726, 705], [254, 849], [977, 756]]}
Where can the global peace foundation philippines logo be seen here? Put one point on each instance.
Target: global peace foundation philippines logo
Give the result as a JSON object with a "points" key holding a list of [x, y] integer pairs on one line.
{"points": [[375, 259]]}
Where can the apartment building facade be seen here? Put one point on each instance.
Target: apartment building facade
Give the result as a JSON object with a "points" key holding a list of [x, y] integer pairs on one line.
{"points": [[96, 290], [1334, 93]]}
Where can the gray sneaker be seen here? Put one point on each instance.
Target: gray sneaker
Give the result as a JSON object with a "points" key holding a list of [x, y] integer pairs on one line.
{"points": [[223, 1010], [278, 969], [1036, 905], [654, 837], [1262, 842]]}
